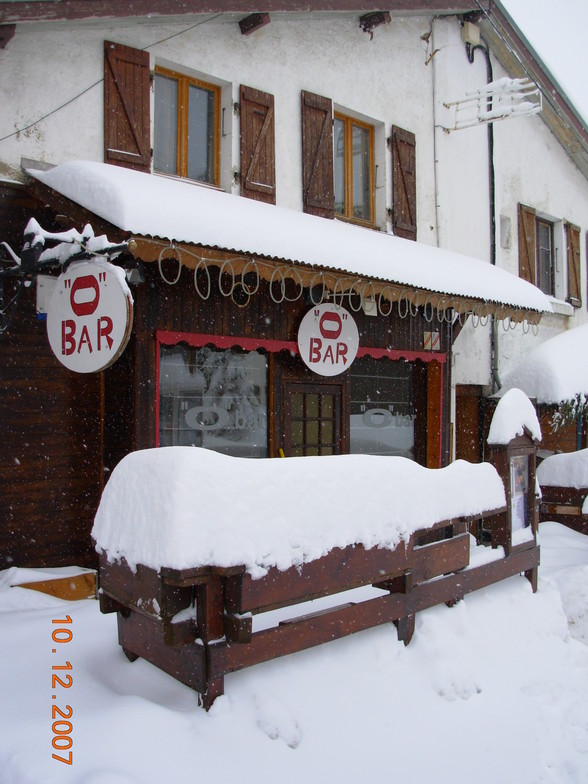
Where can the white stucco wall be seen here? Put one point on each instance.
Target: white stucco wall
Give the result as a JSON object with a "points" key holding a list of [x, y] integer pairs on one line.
{"points": [[385, 80]]}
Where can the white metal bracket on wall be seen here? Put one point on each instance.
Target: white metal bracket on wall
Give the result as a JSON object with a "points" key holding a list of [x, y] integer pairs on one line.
{"points": [[502, 99]]}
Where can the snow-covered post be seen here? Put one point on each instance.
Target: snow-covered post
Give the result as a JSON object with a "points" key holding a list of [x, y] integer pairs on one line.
{"points": [[512, 439]]}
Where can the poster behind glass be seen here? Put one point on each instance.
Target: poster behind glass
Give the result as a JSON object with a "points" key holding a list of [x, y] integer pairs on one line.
{"points": [[213, 399]]}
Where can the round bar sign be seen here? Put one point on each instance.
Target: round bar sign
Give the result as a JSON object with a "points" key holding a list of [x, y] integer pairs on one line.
{"points": [[90, 316], [328, 339]]}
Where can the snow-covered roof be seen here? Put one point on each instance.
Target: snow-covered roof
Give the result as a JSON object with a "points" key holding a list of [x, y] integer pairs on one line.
{"points": [[569, 469], [555, 371], [184, 507], [514, 414], [161, 207]]}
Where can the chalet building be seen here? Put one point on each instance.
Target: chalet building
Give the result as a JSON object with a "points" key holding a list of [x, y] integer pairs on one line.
{"points": [[325, 251]]}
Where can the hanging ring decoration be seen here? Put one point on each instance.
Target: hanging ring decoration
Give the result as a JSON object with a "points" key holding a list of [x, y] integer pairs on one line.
{"points": [[300, 289], [173, 248], [414, 309], [513, 324], [484, 319], [282, 286], [535, 329], [311, 288], [368, 285], [353, 290], [381, 297], [220, 278], [431, 310], [406, 301], [338, 291], [504, 321], [209, 282], [248, 289], [526, 327], [244, 290]]}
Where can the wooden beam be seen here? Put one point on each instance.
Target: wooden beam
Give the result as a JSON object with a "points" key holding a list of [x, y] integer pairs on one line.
{"points": [[68, 10], [253, 22], [6, 34]]}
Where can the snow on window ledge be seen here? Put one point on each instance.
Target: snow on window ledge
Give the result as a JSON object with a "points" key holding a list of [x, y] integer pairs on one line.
{"points": [[560, 307]]}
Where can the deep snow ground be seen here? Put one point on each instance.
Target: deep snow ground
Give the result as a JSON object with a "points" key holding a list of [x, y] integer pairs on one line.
{"points": [[493, 690]]}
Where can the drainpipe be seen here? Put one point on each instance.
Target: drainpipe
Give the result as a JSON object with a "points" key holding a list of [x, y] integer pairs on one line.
{"points": [[470, 52]]}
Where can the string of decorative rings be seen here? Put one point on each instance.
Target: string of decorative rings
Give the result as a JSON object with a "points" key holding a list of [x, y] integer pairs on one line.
{"points": [[401, 299], [526, 327], [351, 299], [208, 279], [173, 248], [535, 329]]}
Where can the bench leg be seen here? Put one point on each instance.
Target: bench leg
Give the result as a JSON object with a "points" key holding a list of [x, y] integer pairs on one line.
{"points": [[214, 688], [405, 627], [531, 576]]}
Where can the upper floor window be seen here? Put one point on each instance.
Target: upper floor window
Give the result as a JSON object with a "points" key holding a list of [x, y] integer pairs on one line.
{"points": [[549, 255], [544, 257], [186, 122], [353, 156]]}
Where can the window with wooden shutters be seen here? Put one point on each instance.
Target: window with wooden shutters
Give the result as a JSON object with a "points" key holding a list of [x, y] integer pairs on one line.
{"points": [[258, 168], [404, 203], [573, 248], [126, 107], [527, 243], [317, 155], [353, 169]]}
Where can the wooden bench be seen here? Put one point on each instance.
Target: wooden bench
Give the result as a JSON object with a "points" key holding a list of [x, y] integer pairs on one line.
{"points": [[564, 505], [197, 624]]}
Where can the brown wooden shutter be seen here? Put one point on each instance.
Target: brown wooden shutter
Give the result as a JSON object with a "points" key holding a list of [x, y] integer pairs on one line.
{"points": [[318, 193], [527, 244], [258, 149], [126, 107], [574, 286], [404, 203]]}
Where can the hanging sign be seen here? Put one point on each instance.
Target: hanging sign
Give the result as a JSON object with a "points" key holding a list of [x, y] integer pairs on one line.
{"points": [[90, 316], [328, 339]]}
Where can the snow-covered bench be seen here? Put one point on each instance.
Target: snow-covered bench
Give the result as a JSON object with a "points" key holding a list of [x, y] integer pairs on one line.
{"points": [[563, 479], [204, 556]]}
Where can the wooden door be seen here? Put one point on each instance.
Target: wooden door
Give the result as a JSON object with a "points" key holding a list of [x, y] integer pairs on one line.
{"points": [[312, 421]]}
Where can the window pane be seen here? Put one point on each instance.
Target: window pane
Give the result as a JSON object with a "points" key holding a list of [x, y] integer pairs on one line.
{"points": [[166, 124], [382, 419], [339, 165], [545, 257], [213, 399], [361, 173], [201, 134]]}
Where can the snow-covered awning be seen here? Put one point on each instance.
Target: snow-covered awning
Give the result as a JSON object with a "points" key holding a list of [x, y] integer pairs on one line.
{"points": [[159, 211], [555, 371]]}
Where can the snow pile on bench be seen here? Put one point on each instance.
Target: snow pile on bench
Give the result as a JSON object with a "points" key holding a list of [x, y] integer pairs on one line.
{"points": [[569, 469], [185, 507]]}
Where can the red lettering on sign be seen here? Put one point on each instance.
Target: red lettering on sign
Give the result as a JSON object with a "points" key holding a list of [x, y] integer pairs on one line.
{"points": [[68, 330], [84, 338], [84, 306], [342, 352], [314, 353], [104, 328], [329, 355], [327, 331]]}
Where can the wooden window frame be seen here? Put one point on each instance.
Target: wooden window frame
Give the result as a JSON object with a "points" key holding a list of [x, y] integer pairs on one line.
{"points": [[184, 83], [544, 222], [347, 214]]}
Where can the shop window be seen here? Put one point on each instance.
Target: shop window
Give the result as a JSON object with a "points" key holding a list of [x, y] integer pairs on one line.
{"points": [[213, 399], [382, 411], [186, 127], [353, 168]]}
